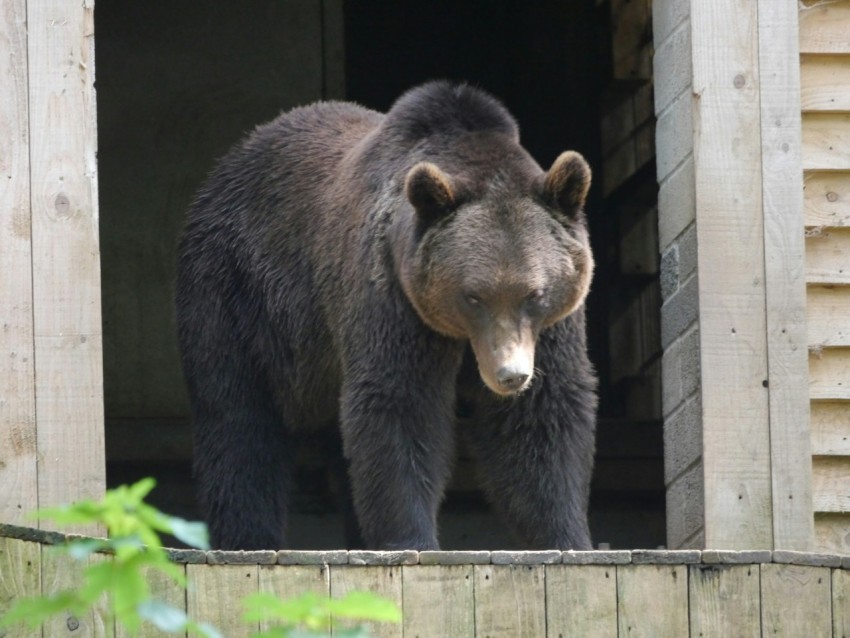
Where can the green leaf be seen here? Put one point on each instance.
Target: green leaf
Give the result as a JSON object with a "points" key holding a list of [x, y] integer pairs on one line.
{"points": [[163, 616], [364, 605], [34, 611], [193, 534], [139, 490]]}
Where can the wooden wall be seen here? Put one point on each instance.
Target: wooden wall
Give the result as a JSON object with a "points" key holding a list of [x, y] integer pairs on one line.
{"points": [[825, 99], [492, 594], [51, 383]]}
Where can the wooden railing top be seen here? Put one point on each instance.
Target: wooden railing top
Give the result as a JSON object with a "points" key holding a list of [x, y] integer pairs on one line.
{"points": [[478, 557]]}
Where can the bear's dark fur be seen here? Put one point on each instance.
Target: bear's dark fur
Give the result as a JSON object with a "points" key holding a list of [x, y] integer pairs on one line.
{"points": [[407, 277]]}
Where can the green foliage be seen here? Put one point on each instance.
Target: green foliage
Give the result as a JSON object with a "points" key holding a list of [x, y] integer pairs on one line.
{"points": [[310, 615], [134, 529], [133, 538]]}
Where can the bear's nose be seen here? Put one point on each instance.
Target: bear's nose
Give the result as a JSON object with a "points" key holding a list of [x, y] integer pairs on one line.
{"points": [[511, 379]]}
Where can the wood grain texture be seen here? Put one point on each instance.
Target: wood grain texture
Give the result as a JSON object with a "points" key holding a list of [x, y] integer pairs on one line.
{"points": [[829, 374], [438, 600], [384, 581], [510, 601], [18, 470], [825, 82], [830, 428], [59, 573], [824, 25], [214, 596], [652, 600], [828, 316], [826, 198], [831, 484], [581, 601], [732, 297], [724, 601], [828, 257], [165, 590], [810, 613], [832, 533], [826, 141], [784, 272], [293, 581], [20, 577], [65, 250], [840, 603]]}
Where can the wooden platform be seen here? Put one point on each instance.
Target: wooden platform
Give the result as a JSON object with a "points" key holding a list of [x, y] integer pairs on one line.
{"points": [[481, 593]]}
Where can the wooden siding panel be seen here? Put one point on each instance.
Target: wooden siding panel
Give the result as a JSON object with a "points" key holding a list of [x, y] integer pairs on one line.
{"points": [[825, 82], [826, 198], [830, 428], [18, 470], [785, 283], [732, 298], [510, 601], [163, 589], [840, 603], [652, 600], [581, 601], [810, 615], [829, 374], [828, 257], [826, 141], [65, 248], [831, 484], [215, 595], [832, 533], [828, 316], [438, 600], [20, 577], [384, 581], [724, 600], [824, 25]]}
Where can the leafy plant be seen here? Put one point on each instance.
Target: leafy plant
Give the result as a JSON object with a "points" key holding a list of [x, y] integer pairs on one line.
{"points": [[133, 529]]}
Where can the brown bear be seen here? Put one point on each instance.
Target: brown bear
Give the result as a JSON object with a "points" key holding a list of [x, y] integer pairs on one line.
{"points": [[407, 278]]}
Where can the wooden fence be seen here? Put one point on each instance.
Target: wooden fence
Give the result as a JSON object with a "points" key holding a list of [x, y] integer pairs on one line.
{"points": [[494, 594]]}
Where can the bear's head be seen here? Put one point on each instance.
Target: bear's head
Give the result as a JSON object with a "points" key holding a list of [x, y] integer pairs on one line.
{"points": [[498, 264]]}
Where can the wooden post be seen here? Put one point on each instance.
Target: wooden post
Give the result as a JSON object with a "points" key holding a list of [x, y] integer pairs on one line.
{"points": [[737, 427], [51, 389]]}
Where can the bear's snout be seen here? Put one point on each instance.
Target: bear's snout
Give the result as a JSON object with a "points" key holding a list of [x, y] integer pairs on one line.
{"points": [[511, 379]]}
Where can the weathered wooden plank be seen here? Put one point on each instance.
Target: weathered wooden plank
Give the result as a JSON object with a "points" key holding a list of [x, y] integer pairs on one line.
{"points": [[20, 577], [829, 374], [724, 600], [731, 259], [826, 198], [65, 250], [18, 472], [825, 82], [828, 316], [830, 428], [832, 534], [785, 283], [808, 588], [824, 25], [826, 141], [510, 601], [438, 601], [652, 600], [293, 581], [840, 603], [59, 573], [581, 600], [831, 484], [828, 257], [384, 581], [215, 593], [163, 589]]}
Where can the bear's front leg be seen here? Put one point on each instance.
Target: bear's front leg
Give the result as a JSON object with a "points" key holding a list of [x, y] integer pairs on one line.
{"points": [[535, 451], [397, 414]]}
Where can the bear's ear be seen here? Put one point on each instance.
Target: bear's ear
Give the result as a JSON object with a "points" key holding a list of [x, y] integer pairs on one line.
{"points": [[430, 191], [566, 184]]}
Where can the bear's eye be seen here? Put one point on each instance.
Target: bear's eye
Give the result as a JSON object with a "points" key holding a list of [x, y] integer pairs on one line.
{"points": [[472, 300], [536, 299]]}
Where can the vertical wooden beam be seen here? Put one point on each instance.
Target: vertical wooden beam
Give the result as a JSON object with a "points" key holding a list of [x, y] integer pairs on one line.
{"points": [[65, 252], [510, 600], [795, 601], [730, 235], [652, 600], [20, 577], [215, 593], [384, 581], [785, 281], [438, 600], [18, 469], [724, 600], [581, 600]]}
